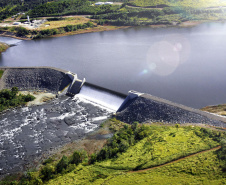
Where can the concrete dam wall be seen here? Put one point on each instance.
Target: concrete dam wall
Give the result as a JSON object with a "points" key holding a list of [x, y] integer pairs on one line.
{"points": [[35, 78]]}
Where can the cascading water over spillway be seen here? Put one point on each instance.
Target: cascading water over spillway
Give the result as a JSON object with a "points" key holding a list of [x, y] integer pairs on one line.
{"points": [[104, 97], [99, 95]]}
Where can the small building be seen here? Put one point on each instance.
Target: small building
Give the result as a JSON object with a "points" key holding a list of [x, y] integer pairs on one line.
{"points": [[99, 3], [16, 23], [108, 3]]}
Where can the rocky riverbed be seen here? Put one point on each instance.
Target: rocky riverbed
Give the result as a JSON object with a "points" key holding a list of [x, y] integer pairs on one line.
{"points": [[28, 132]]}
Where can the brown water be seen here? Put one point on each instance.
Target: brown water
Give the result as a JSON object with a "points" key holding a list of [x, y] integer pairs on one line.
{"points": [[184, 65]]}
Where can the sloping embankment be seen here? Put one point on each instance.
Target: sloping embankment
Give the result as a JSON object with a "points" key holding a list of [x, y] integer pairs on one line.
{"points": [[34, 78], [147, 108]]}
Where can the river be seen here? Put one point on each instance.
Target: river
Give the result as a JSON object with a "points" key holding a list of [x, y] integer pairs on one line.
{"points": [[184, 65]]}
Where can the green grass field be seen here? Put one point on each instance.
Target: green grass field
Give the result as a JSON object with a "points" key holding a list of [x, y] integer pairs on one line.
{"points": [[161, 147], [203, 168]]}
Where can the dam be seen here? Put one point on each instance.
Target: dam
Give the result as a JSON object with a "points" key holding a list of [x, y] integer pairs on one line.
{"points": [[29, 132]]}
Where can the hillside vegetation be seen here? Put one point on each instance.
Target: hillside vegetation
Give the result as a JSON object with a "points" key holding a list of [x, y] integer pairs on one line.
{"points": [[129, 13], [187, 3], [204, 168], [140, 147], [10, 98], [9, 8], [3, 47]]}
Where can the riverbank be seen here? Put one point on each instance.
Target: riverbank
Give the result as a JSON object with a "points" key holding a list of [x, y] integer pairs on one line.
{"points": [[3, 47], [82, 31], [216, 109], [12, 35], [92, 30], [101, 28]]}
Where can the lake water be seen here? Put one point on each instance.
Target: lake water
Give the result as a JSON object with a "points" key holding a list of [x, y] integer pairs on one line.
{"points": [[184, 65]]}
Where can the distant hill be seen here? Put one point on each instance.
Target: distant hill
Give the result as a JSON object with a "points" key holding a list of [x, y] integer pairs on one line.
{"points": [[189, 3], [9, 8]]}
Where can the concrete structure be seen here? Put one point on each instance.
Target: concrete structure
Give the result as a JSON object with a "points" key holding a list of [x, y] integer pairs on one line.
{"points": [[75, 87], [131, 95]]}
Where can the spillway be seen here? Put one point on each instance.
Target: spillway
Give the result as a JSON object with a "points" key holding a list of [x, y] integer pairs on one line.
{"points": [[104, 97]]}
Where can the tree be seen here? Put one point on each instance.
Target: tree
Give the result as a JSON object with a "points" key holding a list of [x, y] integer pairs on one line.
{"points": [[62, 164], [47, 172], [79, 157], [14, 90]]}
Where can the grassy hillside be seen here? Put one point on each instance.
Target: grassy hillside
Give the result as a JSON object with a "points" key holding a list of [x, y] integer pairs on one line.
{"points": [[9, 8], [163, 145], [204, 168], [187, 3], [139, 147]]}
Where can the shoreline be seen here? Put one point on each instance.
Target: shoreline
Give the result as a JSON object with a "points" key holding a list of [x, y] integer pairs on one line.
{"points": [[87, 30], [99, 28]]}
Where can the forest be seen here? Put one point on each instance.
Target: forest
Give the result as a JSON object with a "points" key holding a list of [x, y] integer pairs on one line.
{"points": [[12, 7]]}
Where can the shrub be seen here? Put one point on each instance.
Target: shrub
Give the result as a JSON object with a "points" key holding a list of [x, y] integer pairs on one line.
{"points": [[62, 164], [47, 172], [28, 98], [21, 31]]}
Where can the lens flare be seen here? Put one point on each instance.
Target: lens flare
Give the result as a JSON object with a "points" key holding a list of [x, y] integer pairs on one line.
{"points": [[145, 71], [162, 58], [181, 45], [165, 56]]}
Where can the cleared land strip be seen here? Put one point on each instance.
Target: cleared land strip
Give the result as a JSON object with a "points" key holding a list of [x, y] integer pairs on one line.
{"points": [[215, 148]]}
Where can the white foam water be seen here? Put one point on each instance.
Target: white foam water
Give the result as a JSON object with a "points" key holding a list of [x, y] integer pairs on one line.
{"points": [[101, 97]]}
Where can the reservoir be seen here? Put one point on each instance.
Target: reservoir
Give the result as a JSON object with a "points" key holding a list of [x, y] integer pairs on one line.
{"points": [[184, 65]]}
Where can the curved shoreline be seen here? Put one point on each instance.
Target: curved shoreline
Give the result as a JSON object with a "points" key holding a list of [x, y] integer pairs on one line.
{"points": [[89, 30], [109, 28]]}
